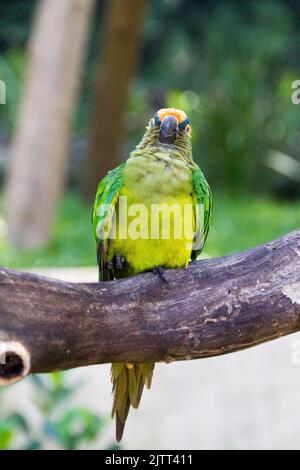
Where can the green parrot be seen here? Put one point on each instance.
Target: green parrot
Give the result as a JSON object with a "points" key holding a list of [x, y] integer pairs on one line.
{"points": [[159, 182]]}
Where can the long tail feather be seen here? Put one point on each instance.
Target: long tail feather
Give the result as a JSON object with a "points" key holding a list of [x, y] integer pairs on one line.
{"points": [[128, 383]]}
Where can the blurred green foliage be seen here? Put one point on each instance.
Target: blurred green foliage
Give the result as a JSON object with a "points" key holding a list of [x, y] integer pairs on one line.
{"points": [[71, 245], [11, 426], [229, 64], [15, 22], [231, 68], [12, 71], [240, 222], [62, 427]]}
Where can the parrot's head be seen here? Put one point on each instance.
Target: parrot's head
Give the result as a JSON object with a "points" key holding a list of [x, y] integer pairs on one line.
{"points": [[168, 129], [170, 123]]}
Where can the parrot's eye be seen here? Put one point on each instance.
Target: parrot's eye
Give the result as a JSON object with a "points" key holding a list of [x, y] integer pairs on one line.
{"points": [[188, 130]]}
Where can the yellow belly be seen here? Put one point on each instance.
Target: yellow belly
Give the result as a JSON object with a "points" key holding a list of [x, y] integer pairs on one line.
{"points": [[153, 232]]}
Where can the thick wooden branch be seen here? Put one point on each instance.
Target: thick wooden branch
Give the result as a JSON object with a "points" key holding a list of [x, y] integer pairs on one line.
{"points": [[214, 307]]}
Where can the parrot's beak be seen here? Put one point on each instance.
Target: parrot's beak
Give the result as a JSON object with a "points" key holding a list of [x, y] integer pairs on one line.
{"points": [[168, 130]]}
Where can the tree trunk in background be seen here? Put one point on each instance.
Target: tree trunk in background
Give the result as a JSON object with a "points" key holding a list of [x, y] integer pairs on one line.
{"points": [[40, 147], [117, 65]]}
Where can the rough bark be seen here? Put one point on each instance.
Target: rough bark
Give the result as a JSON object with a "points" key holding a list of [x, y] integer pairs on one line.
{"points": [[40, 148], [117, 65], [214, 307]]}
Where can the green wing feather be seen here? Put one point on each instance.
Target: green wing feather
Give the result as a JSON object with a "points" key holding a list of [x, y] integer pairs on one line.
{"points": [[103, 212], [203, 205]]}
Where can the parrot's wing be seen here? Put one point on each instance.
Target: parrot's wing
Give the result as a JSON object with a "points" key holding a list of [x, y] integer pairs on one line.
{"points": [[203, 207], [103, 212]]}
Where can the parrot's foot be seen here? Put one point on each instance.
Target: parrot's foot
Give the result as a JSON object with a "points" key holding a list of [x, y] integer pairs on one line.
{"points": [[118, 262], [161, 272]]}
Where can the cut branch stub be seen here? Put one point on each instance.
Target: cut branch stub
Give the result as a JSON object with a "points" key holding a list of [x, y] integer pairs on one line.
{"points": [[14, 362]]}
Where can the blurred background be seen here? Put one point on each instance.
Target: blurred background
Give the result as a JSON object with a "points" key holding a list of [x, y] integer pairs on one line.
{"points": [[79, 81]]}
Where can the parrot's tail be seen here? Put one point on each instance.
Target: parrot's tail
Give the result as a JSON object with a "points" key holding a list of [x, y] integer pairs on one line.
{"points": [[128, 383]]}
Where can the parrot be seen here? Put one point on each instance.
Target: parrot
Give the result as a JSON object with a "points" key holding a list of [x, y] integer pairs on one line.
{"points": [[159, 172]]}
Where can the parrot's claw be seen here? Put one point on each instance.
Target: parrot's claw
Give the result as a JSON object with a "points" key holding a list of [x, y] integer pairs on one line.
{"points": [[161, 272], [110, 265], [119, 261]]}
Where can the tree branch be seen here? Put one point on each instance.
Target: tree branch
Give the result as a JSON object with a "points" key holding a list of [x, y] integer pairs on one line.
{"points": [[214, 307]]}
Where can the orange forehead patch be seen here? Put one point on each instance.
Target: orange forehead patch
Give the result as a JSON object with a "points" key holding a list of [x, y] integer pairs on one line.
{"points": [[180, 115]]}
